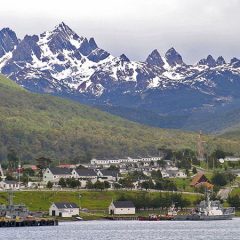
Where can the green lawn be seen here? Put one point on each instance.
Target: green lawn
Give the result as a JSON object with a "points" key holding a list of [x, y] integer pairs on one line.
{"points": [[235, 191], [183, 184], [93, 200]]}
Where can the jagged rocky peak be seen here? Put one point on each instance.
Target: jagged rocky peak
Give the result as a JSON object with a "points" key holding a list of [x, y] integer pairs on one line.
{"points": [[209, 61], [61, 38], [155, 58], [173, 58], [92, 43], [87, 46], [62, 27], [220, 61], [90, 49], [124, 58], [8, 41], [235, 62], [26, 49]]}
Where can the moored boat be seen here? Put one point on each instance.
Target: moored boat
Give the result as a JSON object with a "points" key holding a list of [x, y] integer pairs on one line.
{"points": [[207, 210]]}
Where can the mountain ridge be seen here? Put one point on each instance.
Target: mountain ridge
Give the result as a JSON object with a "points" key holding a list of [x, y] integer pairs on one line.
{"points": [[37, 125], [61, 62]]}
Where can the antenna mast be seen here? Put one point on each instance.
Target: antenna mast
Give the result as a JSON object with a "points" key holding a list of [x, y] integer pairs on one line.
{"points": [[200, 147]]}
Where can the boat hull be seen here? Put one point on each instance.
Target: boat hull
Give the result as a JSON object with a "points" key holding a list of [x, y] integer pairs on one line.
{"points": [[203, 217]]}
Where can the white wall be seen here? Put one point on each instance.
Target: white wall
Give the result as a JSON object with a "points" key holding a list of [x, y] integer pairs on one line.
{"points": [[6, 186], [49, 177], [121, 211], [69, 212], [124, 211]]}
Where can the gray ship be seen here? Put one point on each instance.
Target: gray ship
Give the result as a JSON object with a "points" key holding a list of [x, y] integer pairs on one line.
{"points": [[207, 210]]}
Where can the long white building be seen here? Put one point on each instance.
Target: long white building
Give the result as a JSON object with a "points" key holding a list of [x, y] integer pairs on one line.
{"points": [[98, 162]]}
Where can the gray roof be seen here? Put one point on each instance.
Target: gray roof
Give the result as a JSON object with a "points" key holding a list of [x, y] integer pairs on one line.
{"points": [[107, 172], [60, 171], [123, 204], [85, 172], [10, 182], [62, 205]]}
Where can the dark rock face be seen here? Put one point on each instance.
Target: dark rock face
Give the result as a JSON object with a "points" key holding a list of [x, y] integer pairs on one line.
{"points": [[173, 58], [22, 55], [209, 61], [8, 41], [155, 59], [124, 58], [98, 55], [26, 48], [220, 61], [86, 48], [235, 63]]}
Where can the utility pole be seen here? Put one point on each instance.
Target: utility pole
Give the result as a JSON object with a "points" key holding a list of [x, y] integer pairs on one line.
{"points": [[79, 200], [19, 169]]}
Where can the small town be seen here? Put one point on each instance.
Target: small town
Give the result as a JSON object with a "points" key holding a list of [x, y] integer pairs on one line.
{"points": [[123, 183]]}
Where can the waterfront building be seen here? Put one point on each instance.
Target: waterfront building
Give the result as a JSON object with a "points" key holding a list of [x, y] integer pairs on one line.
{"points": [[63, 209], [122, 208]]}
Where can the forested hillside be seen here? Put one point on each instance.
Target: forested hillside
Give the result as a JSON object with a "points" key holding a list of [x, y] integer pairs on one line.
{"points": [[37, 125]]}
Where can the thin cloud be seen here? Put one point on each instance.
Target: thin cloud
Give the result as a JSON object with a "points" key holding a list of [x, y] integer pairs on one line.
{"points": [[195, 28]]}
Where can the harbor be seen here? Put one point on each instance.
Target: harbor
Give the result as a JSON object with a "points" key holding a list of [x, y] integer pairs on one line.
{"points": [[18, 215]]}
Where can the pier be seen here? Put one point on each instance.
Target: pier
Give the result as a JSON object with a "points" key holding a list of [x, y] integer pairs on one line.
{"points": [[27, 222]]}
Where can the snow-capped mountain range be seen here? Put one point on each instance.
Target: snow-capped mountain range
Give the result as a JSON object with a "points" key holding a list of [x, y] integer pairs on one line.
{"points": [[63, 63]]}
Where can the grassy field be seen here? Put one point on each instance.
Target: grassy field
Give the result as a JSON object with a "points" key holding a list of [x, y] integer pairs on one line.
{"points": [[183, 184], [92, 200]]}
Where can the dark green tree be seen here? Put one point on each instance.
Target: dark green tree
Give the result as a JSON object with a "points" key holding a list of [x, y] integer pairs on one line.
{"points": [[106, 184], [219, 179], [99, 185], [62, 182], [194, 170], [49, 185]]}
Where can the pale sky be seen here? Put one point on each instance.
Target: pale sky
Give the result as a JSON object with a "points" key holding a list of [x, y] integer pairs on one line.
{"points": [[195, 28]]}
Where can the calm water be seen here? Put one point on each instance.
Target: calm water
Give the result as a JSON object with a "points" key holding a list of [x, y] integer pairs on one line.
{"points": [[128, 230]]}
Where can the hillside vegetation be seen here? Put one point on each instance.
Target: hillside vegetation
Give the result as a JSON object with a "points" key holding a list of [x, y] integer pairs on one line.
{"points": [[93, 200], [41, 125]]}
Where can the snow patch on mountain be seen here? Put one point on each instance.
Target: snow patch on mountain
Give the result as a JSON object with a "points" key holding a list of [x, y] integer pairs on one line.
{"points": [[62, 61]]}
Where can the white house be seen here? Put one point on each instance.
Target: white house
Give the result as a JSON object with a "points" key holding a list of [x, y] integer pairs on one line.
{"points": [[9, 185], [181, 174], [108, 175], [122, 208], [164, 174], [54, 174], [63, 209], [84, 175]]}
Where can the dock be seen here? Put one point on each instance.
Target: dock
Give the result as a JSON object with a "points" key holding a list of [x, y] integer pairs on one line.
{"points": [[4, 222], [122, 218]]}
